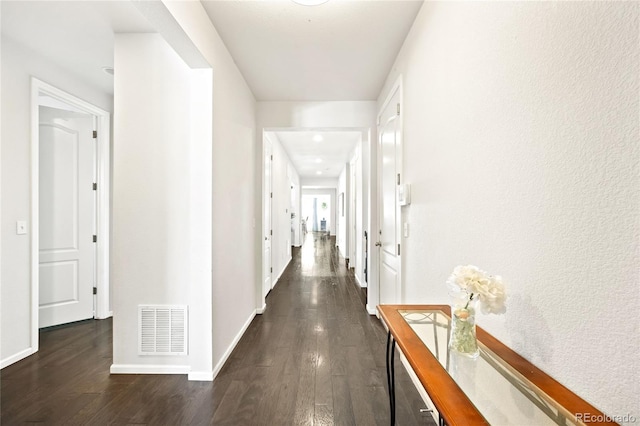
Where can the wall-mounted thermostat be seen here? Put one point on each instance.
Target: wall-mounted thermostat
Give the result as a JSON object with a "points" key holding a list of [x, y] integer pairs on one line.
{"points": [[404, 194]]}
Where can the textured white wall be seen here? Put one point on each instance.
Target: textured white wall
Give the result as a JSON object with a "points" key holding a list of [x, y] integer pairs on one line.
{"points": [[18, 65], [521, 145]]}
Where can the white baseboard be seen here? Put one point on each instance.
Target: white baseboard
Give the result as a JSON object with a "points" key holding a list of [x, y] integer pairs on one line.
{"points": [[275, 281], [260, 311], [233, 344], [16, 357], [201, 376], [372, 311], [148, 369], [109, 315], [360, 282]]}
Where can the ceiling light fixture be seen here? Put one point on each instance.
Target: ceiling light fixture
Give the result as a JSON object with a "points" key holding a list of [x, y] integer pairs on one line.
{"points": [[318, 160], [318, 172], [310, 2], [317, 138]]}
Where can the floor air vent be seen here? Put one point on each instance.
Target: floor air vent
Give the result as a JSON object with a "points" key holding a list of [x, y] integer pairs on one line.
{"points": [[162, 329]]}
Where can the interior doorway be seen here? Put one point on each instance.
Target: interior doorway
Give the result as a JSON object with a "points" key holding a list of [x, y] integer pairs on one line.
{"points": [[316, 210], [66, 214], [63, 122], [389, 178]]}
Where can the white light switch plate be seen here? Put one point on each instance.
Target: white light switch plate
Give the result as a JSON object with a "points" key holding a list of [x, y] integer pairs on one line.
{"points": [[21, 227]]}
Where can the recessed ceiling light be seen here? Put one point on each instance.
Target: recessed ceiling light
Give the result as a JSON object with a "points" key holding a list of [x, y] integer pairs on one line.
{"points": [[318, 138], [318, 172], [318, 160], [310, 2], [108, 70]]}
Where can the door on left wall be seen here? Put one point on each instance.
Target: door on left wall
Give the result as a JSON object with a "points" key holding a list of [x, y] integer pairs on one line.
{"points": [[66, 216]]}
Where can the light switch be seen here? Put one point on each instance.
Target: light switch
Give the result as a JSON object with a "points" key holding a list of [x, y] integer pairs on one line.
{"points": [[406, 229], [21, 227]]}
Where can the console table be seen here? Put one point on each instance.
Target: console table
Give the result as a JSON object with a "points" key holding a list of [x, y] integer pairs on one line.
{"points": [[499, 387]]}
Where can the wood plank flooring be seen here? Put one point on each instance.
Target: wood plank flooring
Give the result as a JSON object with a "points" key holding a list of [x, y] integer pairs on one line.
{"points": [[315, 357]]}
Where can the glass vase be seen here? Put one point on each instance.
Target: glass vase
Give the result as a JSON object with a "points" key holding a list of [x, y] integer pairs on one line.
{"points": [[462, 337]]}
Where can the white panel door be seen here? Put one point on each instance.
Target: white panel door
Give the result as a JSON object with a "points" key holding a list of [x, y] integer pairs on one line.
{"points": [[389, 236], [66, 216], [267, 229]]}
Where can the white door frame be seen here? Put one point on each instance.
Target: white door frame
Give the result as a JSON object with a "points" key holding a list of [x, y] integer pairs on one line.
{"points": [[396, 88], [264, 237], [351, 220], [366, 137], [103, 163]]}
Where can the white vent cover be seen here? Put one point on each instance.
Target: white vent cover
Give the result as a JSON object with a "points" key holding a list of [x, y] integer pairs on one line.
{"points": [[162, 329]]}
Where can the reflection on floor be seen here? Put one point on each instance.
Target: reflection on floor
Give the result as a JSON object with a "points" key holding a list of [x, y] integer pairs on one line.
{"points": [[314, 357]]}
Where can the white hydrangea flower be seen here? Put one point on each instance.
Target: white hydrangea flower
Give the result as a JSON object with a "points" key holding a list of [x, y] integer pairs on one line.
{"points": [[476, 283], [492, 297]]}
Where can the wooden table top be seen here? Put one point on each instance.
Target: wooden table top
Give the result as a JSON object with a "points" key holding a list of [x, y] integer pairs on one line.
{"points": [[451, 402]]}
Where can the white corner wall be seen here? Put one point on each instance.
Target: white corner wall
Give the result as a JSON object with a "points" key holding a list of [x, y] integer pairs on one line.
{"points": [[521, 146], [154, 197], [18, 65], [235, 220]]}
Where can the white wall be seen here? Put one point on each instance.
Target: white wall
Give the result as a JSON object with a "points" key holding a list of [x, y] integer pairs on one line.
{"points": [[359, 215], [342, 236], [283, 174], [18, 65], [296, 209], [155, 198], [236, 212], [521, 146]]}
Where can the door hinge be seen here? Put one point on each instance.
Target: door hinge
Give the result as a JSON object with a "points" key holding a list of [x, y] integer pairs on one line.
{"points": [[271, 195], [398, 249], [398, 178], [95, 238], [95, 186], [271, 232], [398, 108], [95, 290], [95, 134], [271, 157], [270, 269]]}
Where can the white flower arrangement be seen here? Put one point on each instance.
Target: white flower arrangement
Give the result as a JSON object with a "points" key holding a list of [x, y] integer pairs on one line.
{"points": [[472, 283], [470, 286]]}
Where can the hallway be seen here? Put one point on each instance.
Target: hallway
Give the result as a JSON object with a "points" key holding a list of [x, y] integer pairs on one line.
{"points": [[315, 357]]}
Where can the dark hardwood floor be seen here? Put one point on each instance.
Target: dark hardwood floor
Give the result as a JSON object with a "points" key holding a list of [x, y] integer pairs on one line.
{"points": [[315, 357]]}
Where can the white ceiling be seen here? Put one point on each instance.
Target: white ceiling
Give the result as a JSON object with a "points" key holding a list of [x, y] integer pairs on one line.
{"points": [[76, 35], [327, 156], [340, 50]]}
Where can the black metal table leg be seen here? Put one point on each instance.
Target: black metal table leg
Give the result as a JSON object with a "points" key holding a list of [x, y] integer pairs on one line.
{"points": [[391, 377]]}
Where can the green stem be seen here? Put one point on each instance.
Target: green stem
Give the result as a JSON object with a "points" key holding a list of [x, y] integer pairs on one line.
{"points": [[469, 301]]}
